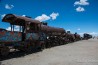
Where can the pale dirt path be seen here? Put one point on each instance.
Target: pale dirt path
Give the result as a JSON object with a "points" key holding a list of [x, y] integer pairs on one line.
{"points": [[79, 53]]}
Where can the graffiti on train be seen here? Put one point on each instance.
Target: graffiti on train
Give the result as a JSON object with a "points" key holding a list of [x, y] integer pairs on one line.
{"points": [[10, 36]]}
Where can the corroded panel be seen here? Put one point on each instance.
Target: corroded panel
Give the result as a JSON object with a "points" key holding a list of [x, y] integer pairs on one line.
{"points": [[9, 36], [32, 36]]}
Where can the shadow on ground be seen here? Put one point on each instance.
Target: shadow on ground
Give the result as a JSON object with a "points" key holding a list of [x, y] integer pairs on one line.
{"points": [[17, 54]]}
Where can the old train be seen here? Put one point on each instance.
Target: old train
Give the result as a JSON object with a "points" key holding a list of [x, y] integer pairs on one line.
{"points": [[86, 36], [32, 34]]}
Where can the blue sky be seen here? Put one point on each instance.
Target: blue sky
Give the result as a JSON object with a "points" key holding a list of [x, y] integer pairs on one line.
{"points": [[74, 15]]}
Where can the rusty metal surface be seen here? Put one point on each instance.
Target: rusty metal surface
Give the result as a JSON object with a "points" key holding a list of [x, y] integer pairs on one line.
{"points": [[51, 29], [20, 20], [8, 36]]}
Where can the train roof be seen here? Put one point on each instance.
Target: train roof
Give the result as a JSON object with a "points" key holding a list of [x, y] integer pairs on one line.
{"points": [[21, 20], [1, 29], [18, 20]]}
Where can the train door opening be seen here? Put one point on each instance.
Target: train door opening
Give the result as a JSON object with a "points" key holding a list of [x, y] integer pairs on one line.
{"points": [[19, 28], [33, 27]]}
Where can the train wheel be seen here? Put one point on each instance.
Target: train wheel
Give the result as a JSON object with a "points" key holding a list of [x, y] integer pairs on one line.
{"points": [[4, 51], [49, 45], [29, 48], [42, 46]]}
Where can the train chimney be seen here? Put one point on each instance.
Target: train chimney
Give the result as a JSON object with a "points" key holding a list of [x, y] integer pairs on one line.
{"points": [[68, 32]]}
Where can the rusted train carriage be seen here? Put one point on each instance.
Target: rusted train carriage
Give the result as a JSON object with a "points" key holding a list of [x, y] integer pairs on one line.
{"points": [[32, 35], [86, 36], [28, 37], [55, 36], [77, 37]]}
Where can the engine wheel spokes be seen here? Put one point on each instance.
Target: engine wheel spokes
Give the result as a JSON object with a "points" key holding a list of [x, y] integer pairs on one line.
{"points": [[4, 51]]}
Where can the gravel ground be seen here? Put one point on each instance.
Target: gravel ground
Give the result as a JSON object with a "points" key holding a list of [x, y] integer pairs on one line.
{"points": [[78, 53]]}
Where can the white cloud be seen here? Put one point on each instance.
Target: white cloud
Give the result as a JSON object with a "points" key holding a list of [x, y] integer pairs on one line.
{"points": [[80, 9], [9, 28], [81, 33], [68, 30], [82, 2], [16, 28], [9, 6], [54, 15], [23, 15], [43, 17], [2, 16], [78, 29], [93, 33]]}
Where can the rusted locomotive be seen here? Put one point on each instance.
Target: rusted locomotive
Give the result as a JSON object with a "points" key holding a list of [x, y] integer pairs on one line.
{"points": [[32, 35], [86, 36]]}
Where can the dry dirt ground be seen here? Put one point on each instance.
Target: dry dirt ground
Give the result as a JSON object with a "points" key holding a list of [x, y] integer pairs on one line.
{"points": [[78, 53]]}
